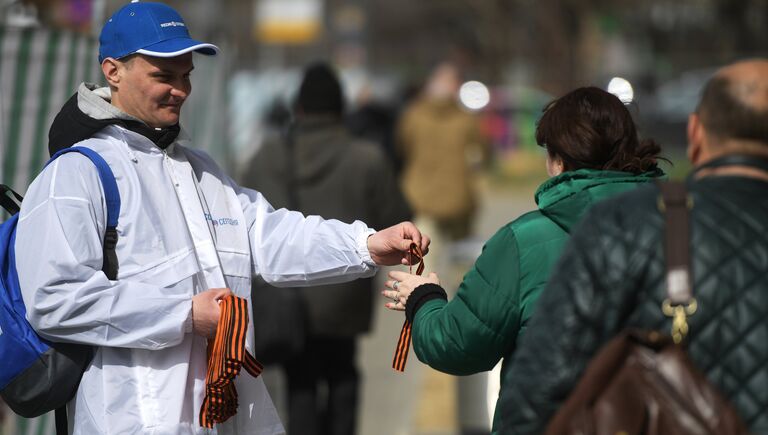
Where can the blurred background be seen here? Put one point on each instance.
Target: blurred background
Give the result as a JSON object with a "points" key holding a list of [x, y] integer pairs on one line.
{"points": [[515, 56]]}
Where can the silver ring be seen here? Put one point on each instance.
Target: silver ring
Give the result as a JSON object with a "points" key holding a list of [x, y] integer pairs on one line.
{"points": [[395, 285], [396, 298]]}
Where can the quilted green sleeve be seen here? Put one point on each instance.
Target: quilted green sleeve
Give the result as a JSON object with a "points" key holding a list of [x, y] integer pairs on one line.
{"points": [[478, 327]]}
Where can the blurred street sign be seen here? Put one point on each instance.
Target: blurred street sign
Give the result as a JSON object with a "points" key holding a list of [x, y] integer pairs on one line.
{"points": [[288, 21]]}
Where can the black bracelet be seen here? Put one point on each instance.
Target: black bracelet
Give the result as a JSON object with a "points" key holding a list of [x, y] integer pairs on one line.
{"points": [[420, 296]]}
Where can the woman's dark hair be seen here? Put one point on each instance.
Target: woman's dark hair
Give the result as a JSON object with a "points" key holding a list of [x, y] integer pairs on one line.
{"points": [[591, 128]]}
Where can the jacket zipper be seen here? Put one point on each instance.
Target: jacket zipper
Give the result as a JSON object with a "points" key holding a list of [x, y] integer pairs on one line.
{"points": [[167, 163], [169, 167]]}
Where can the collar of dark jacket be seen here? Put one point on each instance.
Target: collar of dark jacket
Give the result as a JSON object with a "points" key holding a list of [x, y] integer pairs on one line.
{"points": [[308, 123]]}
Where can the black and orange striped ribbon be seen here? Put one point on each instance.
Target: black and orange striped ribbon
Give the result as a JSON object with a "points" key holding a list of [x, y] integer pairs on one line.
{"points": [[226, 356], [404, 342]]}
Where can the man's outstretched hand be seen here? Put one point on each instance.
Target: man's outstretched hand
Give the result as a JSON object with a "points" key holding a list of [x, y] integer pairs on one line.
{"points": [[390, 246]]}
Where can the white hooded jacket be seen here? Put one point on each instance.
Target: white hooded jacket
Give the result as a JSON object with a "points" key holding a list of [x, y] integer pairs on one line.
{"points": [[184, 227]]}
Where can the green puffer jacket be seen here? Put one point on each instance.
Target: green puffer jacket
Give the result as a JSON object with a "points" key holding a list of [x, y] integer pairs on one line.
{"points": [[481, 325]]}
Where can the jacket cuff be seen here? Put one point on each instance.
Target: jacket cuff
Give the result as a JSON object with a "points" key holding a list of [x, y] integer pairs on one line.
{"points": [[420, 296], [362, 246], [189, 325]]}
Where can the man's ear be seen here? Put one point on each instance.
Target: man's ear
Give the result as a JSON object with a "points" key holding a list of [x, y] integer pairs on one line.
{"points": [[695, 133], [112, 72]]}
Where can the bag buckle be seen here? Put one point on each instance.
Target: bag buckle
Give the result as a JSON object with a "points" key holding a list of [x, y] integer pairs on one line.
{"points": [[679, 314]]}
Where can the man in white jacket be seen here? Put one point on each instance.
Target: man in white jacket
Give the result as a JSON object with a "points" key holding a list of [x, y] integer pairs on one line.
{"points": [[187, 235]]}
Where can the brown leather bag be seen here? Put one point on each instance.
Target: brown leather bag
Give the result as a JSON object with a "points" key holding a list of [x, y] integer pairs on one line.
{"points": [[643, 382]]}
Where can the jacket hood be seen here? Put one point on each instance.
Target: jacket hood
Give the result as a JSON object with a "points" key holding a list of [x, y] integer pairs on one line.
{"points": [[566, 197], [90, 110], [315, 134]]}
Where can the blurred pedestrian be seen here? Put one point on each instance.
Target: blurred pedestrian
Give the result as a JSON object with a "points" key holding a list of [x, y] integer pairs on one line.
{"points": [[612, 273], [593, 152], [437, 139], [374, 120], [320, 168]]}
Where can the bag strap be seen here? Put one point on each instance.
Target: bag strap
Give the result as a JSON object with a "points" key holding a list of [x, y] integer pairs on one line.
{"points": [[675, 203], [112, 199], [9, 200], [60, 415]]}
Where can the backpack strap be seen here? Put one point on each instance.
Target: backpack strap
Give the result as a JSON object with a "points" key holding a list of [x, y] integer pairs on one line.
{"points": [[9, 200], [675, 204], [60, 417], [112, 199]]}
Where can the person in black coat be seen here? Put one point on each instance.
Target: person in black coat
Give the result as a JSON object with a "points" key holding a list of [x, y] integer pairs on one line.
{"points": [[318, 167]]}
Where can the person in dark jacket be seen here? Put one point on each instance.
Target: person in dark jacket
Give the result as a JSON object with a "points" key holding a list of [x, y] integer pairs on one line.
{"points": [[612, 273], [593, 152], [321, 168]]}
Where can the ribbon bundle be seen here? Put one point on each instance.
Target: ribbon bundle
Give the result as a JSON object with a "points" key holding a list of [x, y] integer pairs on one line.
{"points": [[404, 342], [226, 356]]}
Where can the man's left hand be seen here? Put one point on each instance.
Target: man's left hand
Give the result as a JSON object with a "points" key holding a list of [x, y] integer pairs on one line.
{"points": [[391, 246]]}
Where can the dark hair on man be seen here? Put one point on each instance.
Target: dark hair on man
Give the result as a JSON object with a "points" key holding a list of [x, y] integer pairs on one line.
{"points": [[591, 128], [727, 116], [320, 91]]}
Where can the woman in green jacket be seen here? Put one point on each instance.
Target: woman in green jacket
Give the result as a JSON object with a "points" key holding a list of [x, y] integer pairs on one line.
{"points": [[593, 152]]}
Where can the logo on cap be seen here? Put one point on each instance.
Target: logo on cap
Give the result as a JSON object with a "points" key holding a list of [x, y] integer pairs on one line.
{"points": [[173, 24]]}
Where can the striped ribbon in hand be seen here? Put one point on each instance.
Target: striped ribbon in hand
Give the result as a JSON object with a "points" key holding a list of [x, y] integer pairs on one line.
{"points": [[226, 356], [404, 342]]}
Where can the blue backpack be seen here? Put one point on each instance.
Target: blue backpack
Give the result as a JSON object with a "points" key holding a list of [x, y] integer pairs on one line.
{"points": [[36, 375]]}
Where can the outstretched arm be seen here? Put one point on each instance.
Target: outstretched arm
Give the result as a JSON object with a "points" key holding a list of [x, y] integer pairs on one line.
{"points": [[479, 326], [290, 249]]}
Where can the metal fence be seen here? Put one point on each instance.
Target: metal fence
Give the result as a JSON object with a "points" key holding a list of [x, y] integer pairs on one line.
{"points": [[39, 70]]}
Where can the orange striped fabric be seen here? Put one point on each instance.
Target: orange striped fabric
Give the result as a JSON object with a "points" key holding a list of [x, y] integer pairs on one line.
{"points": [[226, 356], [404, 342]]}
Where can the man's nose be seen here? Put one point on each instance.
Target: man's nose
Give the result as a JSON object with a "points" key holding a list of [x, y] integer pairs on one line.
{"points": [[181, 90]]}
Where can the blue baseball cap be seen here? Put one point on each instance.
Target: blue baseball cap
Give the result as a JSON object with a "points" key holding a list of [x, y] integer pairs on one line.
{"points": [[151, 29]]}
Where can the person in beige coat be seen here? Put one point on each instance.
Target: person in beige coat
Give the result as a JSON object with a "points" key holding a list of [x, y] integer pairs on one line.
{"points": [[437, 139], [440, 143]]}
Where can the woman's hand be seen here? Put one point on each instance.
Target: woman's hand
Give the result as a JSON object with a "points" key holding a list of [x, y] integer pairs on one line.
{"points": [[402, 284]]}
